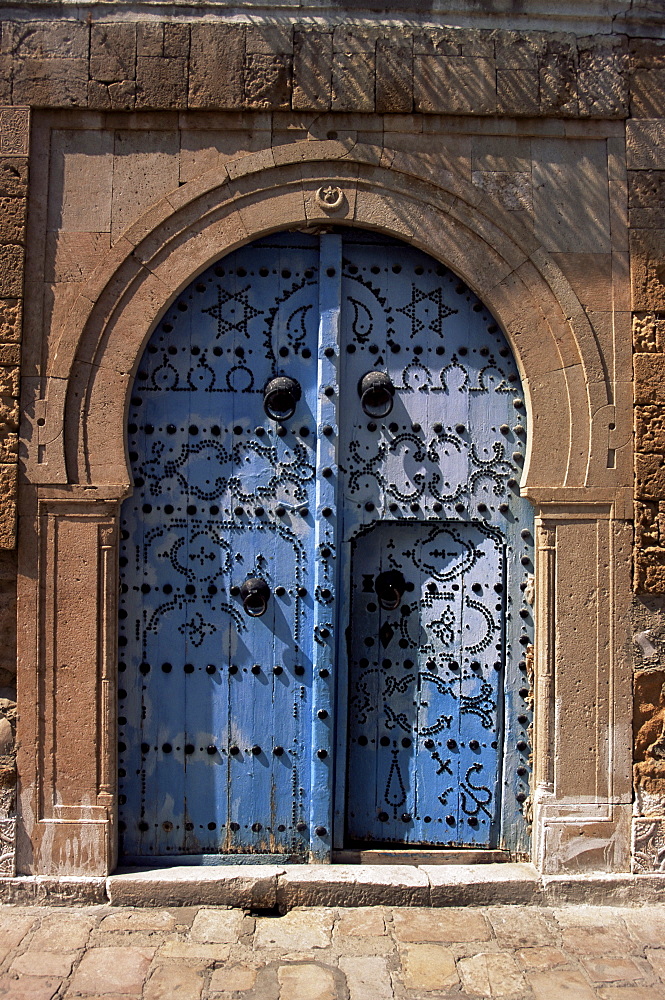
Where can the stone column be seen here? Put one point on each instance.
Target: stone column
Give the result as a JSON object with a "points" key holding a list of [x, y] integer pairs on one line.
{"points": [[582, 793], [68, 583], [14, 143]]}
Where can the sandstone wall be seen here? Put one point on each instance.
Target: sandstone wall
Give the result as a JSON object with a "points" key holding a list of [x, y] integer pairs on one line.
{"points": [[564, 132]]}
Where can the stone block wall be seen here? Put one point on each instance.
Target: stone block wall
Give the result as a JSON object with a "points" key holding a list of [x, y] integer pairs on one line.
{"points": [[412, 92], [358, 68], [645, 159]]}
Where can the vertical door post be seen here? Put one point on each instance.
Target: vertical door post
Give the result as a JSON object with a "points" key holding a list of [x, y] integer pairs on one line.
{"points": [[325, 561]]}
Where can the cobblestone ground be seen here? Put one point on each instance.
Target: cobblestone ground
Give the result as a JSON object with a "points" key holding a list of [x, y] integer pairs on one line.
{"points": [[378, 953]]}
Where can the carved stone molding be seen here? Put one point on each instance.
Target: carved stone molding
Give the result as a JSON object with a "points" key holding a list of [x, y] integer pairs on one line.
{"points": [[582, 806], [66, 744], [213, 221], [7, 848], [14, 131], [14, 143], [330, 198], [648, 846]]}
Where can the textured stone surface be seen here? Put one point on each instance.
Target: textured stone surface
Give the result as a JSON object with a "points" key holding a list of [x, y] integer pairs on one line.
{"points": [[43, 963], [63, 64], [299, 930], [349, 885], [362, 922], [175, 981], [233, 977], [600, 948], [491, 975], [602, 79], [312, 70], [570, 984], [428, 967], [306, 982], [11, 272], [267, 80], [442, 925], [121, 970], [217, 926], [216, 66], [394, 74], [12, 220], [647, 247], [454, 85], [648, 332], [229, 885], [161, 83], [645, 144], [367, 978], [13, 176], [60, 83], [113, 52], [558, 190]]}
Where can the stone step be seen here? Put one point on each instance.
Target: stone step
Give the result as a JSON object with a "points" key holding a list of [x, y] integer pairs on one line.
{"points": [[286, 886], [282, 887]]}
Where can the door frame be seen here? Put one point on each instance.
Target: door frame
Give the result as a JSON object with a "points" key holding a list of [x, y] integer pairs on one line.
{"points": [[74, 482]]}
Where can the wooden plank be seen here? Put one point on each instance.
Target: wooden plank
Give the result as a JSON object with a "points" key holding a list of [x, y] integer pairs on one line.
{"points": [[411, 857]]}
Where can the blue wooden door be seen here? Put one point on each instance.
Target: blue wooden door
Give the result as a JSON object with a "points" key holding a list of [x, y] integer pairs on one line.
{"points": [[437, 740], [266, 682], [215, 698], [424, 702]]}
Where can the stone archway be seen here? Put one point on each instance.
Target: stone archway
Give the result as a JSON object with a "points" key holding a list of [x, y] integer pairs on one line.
{"points": [[77, 479]]}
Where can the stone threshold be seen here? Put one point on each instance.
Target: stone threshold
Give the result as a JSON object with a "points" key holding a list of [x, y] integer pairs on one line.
{"points": [[281, 887]]}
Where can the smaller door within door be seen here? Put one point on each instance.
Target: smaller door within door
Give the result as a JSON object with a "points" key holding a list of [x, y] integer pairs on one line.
{"points": [[435, 552], [425, 690]]}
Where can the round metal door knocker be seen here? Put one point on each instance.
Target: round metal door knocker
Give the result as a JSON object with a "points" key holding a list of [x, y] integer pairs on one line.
{"points": [[255, 594], [389, 587], [280, 397], [376, 394], [330, 198]]}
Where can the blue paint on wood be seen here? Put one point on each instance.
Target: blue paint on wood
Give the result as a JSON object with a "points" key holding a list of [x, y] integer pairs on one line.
{"points": [[215, 749], [430, 490], [238, 734]]}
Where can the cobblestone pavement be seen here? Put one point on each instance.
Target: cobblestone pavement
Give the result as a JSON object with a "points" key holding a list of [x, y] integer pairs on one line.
{"points": [[372, 953]]}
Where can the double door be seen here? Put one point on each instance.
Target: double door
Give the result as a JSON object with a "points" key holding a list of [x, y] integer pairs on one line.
{"points": [[324, 563]]}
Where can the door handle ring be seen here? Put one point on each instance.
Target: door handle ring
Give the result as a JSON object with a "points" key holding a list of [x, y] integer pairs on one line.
{"points": [[255, 594], [390, 587], [280, 397], [376, 393]]}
